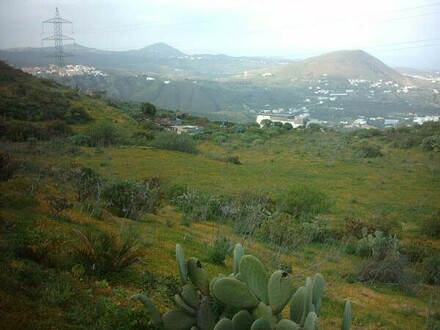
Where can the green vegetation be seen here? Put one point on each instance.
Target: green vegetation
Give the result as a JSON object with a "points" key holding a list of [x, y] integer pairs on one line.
{"points": [[86, 225]]}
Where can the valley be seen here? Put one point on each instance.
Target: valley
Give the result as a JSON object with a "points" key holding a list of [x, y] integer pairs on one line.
{"points": [[343, 89]]}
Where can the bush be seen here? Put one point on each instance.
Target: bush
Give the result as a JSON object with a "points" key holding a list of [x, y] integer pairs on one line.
{"points": [[418, 250], [353, 227], [386, 270], [18, 131], [302, 200], [177, 142], [103, 135], [431, 225], [247, 211], [7, 166], [129, 198], [233, 160], [367, 150], [142, 137], [199, 206], [431, 143], [281, 229], [317, 230], [85, 182], [76, 114], [80, 140], [432, 269], [103, 252], [219, 251], [56, 128]]}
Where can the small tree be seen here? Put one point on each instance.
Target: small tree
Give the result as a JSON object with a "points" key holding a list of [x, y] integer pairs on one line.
{"points": [[148, 109], [266, 123], [86, 182]]}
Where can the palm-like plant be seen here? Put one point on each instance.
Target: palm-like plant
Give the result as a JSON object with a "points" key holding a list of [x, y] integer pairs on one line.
{"points": [[103, 252]]}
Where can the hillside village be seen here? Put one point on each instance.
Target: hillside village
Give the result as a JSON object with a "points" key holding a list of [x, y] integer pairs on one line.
{"points": [[322, 97], [323, 102]]}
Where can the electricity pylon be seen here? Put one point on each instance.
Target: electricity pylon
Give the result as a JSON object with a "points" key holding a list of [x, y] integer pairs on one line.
{"points": [[58, 37]]}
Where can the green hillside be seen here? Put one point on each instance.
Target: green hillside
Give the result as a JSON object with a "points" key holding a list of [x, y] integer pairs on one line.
{"points": [[95, 199]]}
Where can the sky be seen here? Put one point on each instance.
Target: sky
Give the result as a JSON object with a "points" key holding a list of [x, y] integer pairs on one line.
{"points": [[398, 32]]}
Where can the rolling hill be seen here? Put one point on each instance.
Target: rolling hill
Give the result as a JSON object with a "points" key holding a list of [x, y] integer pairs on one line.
{"points": [[337, 66]]}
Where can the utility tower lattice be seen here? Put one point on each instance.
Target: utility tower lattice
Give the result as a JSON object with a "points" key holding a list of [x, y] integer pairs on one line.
{"points": [[58, 37]]}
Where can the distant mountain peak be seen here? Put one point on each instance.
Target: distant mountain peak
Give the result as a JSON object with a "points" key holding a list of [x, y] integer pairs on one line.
{"points": [[159, 49], [337, 65], [350, 64]]}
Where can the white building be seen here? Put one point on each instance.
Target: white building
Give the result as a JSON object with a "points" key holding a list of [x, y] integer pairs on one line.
{"points": [[292, 120]]}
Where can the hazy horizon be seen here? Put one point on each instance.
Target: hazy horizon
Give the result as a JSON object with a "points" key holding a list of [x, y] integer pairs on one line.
{"points": [[399, 33]]}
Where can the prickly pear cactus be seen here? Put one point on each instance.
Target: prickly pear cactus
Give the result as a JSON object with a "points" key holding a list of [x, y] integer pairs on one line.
{"points": [[253, 273], [280, 289], [247, 299]]}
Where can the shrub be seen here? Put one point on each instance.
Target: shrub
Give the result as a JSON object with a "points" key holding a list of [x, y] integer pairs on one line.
{"points": [[280, 228], [387, 223], [387, 270], [85, 182], [432, 269], [142, 137], [247, 211], [103, 252], [418, 250], [367, 150], [56, 128], [431, 225], [7, 166], [17, 131], [129, 198], [431, 143], [199, 206], [302, 200], [353, 227], [103, 135], [57, 204], [76, 114], [80, 140], [220, 250], [177, 142], [317, 230], [233, 160]]}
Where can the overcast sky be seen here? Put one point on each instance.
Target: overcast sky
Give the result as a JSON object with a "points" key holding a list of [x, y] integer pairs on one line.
{"points": [[399, 32]]}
